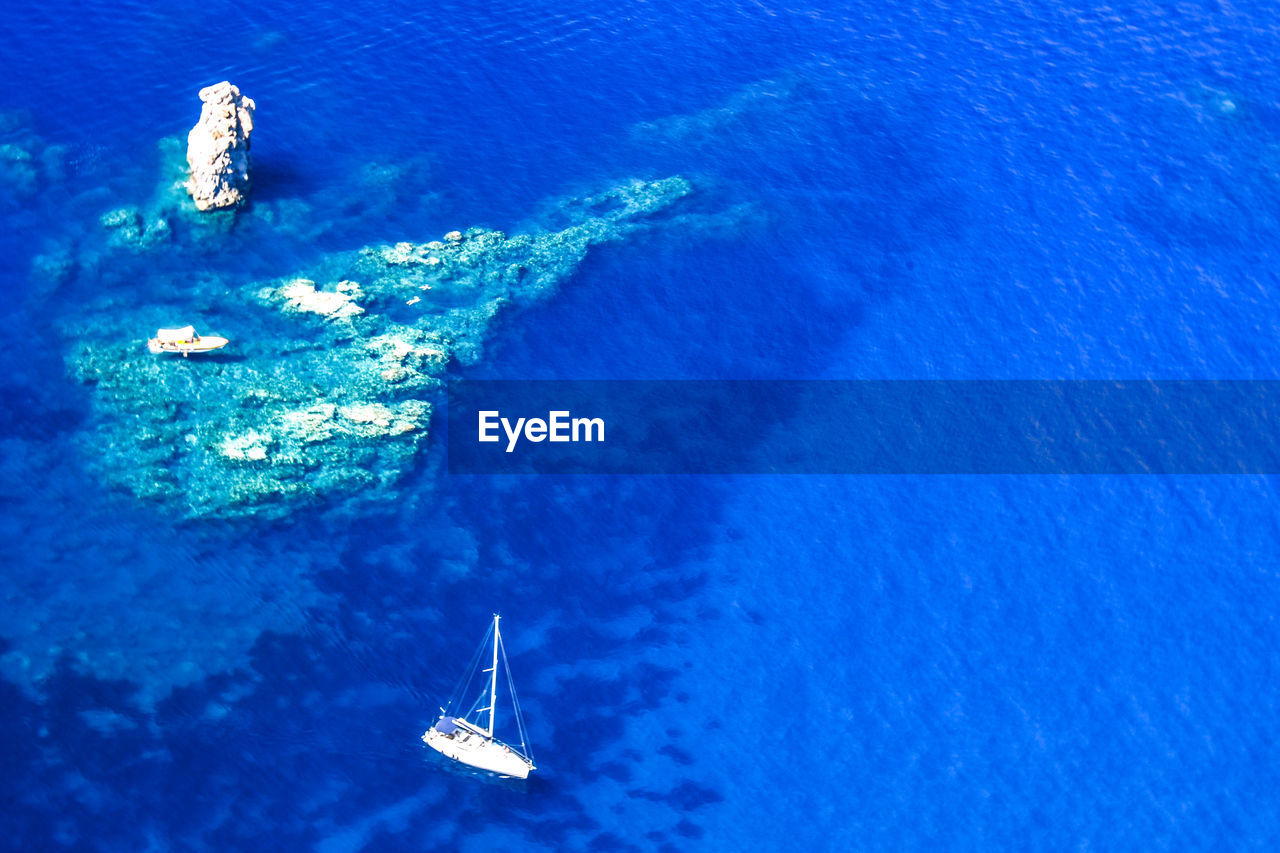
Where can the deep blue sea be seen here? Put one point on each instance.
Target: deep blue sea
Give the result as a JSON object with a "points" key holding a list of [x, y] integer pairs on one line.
{"points": [[925, 190]]}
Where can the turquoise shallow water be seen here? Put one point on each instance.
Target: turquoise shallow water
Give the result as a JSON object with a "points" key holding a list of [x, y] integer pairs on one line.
{"points": [[758, 662]]}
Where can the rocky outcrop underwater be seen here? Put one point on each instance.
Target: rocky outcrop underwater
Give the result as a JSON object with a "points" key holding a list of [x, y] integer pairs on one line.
{"points": [[325, 391]]}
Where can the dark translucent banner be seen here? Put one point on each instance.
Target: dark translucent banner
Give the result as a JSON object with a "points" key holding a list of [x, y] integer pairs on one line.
{"points": [[876, 427]]}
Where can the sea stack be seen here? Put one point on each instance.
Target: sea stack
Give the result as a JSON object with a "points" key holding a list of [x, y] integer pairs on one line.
{"points": [[218, 148]]}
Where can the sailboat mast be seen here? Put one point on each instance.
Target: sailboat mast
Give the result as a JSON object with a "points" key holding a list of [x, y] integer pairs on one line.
{"points": [[493, 675]]}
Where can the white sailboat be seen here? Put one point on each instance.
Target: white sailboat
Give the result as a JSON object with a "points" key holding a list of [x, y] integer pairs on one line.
{"points": [[468, 737]]}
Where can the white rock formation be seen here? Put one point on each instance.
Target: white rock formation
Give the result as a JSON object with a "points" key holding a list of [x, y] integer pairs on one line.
{"points": [[337, 304], [218, 148]]}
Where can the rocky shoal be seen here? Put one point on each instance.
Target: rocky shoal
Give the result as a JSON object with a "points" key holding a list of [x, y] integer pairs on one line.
{"points": [[325, 393]]}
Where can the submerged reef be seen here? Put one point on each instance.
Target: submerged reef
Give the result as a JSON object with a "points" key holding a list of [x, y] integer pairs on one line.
{"points": [[218, 148], [325, 391], [28, 164]]}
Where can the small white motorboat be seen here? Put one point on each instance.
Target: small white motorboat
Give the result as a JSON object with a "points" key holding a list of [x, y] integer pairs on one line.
{"points": [[185, 341]]}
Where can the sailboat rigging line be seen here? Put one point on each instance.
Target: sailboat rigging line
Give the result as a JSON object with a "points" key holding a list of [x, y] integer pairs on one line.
{"points": [[515, 702], [463, 687]]}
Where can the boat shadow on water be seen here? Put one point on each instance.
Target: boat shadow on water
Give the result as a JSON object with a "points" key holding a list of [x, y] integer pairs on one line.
{"points": [[215, 357]]}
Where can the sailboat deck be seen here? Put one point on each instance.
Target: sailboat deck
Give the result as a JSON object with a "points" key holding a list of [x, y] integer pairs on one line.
{"points": [[474, 749]]}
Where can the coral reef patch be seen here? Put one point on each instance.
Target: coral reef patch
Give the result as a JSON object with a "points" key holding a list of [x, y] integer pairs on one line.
{"points": [[28, 164], [326, 389]]}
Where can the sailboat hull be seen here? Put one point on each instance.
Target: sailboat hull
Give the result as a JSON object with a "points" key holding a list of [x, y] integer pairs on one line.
{"points": [[476, 751]]}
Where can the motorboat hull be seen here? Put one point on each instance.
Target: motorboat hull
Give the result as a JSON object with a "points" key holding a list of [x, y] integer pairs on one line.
{"points": [[206, 343]]}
